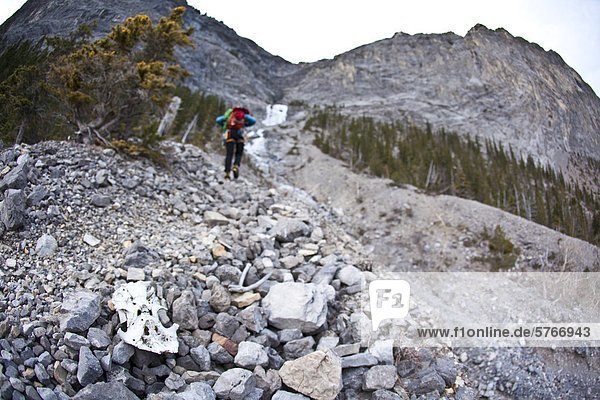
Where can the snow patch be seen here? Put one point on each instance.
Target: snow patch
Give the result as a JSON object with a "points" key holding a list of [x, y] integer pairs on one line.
{"points": [[276, 114]]}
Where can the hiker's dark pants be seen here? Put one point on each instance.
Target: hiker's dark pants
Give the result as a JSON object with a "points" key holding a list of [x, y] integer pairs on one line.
{"points": [[234, 145]]}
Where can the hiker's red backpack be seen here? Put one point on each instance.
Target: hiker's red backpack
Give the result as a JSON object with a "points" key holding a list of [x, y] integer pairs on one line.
{"points": [[237, 118]]}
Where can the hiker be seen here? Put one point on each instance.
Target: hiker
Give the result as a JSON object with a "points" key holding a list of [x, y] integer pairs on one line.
{"points": [[233, 122]]}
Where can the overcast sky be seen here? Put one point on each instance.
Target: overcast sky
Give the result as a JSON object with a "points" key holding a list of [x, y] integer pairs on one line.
{"points": [[310, 30]]}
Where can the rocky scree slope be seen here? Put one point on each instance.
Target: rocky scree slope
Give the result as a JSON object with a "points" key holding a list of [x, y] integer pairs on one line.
{"points": [[487, 84], [404, 229], [80, 222]]}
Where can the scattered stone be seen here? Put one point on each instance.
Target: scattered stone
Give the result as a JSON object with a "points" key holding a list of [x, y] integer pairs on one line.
{"points": [[213, 218], [296, 305], [289, 334], [226, 343], [46, 394], [283, 395], [359, 360], [383, 394], [184, 311], [75, 341], [250, 355], [446, 368], [218, 354], [288, 229], [81, 309], [318, 375], [290, 262], [135, 274], [98, 338], [89, 369], [383, 350], [350, 275], [174, 382], [426, 381], [201, 357], [91, 240], [220, 299], [15, 179], [254, 318], [106, 391], [328, 343], [99, 200], [139, 256], [347, 349], [325, 274], [380, 377], [245, 299], [235, 384], [196, 391], [299, 348], [45, 246], [122, 352]]}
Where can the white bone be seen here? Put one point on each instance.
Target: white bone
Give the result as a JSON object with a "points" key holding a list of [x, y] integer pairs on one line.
{"points": [[138, 307]]}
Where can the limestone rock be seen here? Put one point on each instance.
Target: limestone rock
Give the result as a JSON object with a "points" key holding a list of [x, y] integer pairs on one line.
{"points": [[296, 305], [317, 375]]}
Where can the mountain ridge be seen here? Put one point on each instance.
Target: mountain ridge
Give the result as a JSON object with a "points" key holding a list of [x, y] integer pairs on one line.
{"points": [[488, 84]]}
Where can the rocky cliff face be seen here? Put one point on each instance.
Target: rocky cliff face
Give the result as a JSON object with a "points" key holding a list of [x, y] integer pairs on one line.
{"points": [[221, 62], [488, 84]]}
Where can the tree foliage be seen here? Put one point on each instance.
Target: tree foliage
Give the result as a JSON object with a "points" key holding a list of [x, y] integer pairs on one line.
{"points": [[444, 162], [118, 86]]}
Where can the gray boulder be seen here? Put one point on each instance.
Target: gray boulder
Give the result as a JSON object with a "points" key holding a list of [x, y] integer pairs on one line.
{"points": [[140, 256], [114, 390], [184, 311], [89, 369], [380, 377], [122, 352], [288, 229], [81, 309], [425, 382], [201, 357], [99, 200], [12, 211], [283, 395], [38, 193], [16, 178], [250, 355], [296, 305], [235, 384], [45, 246]]}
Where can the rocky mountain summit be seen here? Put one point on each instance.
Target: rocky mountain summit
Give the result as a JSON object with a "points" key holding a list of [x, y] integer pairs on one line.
{"points": [[488, 84]]}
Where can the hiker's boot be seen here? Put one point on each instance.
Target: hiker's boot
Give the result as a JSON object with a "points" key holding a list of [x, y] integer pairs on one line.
{"points": [[236, 171], [226, 177]]}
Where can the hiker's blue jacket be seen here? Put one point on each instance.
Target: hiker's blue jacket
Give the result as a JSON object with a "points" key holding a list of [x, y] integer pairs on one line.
{"points": [[249, 120]]}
